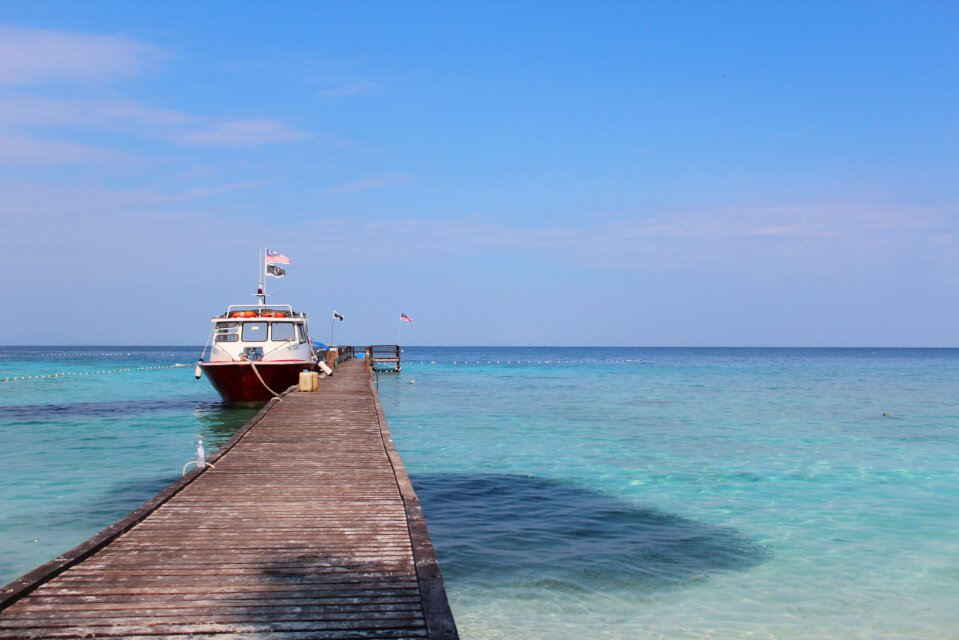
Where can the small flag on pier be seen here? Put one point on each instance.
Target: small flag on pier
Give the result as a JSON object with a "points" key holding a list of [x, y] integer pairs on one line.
{"points": [[337, 316], [275, 257], [275, 271], [406, 318]]}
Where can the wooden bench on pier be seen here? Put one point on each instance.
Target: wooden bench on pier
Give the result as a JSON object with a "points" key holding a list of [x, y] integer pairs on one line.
{"points": [[307, 527]]}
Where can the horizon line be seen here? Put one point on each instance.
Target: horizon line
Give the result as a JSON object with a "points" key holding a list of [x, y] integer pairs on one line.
{"points": [[488, 346]]}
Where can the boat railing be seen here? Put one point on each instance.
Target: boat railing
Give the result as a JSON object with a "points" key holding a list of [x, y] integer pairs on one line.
{"points": [[256, 307]]}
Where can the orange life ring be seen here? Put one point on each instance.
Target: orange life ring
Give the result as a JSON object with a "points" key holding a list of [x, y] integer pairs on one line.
{"points": [[243, 314]]}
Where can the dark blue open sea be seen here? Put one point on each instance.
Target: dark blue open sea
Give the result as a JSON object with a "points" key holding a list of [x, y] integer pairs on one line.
{"points": [[574, 493]]}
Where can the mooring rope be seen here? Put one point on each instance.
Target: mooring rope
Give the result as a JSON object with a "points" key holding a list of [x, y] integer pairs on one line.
{"points": [[253, 364]]}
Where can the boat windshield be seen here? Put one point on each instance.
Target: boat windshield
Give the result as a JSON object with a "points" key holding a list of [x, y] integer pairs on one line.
{"points": [[254, 332], [282, 331]]}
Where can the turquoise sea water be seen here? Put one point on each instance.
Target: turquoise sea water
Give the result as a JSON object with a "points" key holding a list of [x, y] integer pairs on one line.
{"points": [[577, 493], [79, 451]]}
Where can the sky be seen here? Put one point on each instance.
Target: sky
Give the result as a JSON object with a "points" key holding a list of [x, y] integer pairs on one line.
{"points": [[506, 173]]}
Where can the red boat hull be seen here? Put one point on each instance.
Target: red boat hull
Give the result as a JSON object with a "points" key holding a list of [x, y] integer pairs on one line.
{"points": [[238, 382]]}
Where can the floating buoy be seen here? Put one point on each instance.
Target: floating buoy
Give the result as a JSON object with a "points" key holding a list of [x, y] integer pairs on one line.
{"points": [[412, 381]]}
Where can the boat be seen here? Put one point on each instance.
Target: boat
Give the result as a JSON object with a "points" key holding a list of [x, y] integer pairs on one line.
{"points": [[257, 351]]}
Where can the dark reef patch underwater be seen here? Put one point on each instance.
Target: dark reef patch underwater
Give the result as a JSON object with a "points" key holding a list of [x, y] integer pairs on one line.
{"points": [[513, 531]]}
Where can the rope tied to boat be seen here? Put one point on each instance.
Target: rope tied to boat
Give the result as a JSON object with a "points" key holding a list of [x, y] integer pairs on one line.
{"points": [[263, 382]]}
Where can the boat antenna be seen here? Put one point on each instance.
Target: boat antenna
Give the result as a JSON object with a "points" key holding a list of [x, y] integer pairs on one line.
{"points": [[260, 290]]}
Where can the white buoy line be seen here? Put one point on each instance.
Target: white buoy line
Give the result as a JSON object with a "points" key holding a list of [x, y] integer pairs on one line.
{"points": [[577, 363], [51, 376], [75, 353]]}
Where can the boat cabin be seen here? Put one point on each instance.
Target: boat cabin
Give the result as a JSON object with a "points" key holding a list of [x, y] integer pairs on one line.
{"points": [[253, 332]]}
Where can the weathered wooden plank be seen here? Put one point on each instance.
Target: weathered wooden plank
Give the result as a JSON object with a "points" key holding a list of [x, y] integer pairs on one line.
{"points": [[264, 590], [307, 527], [164, 558], [250, 579], [436, 606], [368, 634], [13, 591], [230, 606], [124, 630], [55, 619]]}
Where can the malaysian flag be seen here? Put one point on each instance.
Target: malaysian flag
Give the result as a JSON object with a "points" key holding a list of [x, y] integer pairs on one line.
{"points": [[406, 318], [275, 257]]}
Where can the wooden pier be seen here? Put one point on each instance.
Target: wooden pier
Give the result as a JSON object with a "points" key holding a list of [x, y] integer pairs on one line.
{"points": [[384, 357], [307, 527]]}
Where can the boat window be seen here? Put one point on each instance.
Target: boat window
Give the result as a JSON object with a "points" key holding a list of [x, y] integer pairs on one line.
{"points": [[226, 332], [301, 332], [254, 332], [282, 331]]}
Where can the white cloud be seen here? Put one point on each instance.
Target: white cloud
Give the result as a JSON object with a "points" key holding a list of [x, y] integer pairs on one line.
{"points": [[353, 87], [245, 132], [29, 151], [36, 111], [372, 182], [136, 119], [32, 56], [812, 236], [215, 190], [784, 230]]}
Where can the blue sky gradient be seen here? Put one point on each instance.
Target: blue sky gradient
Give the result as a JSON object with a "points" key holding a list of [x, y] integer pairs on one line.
{"points": [[691, 173]]}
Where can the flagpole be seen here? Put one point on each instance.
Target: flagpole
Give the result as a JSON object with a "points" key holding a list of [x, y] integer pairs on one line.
{"points": [[398, 327], [332, 324], [263, 276]]}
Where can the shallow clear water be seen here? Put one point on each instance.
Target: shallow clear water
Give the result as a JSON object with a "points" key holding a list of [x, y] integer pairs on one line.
{"points": [[688, 493], [79, 451], [574, 493]]}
